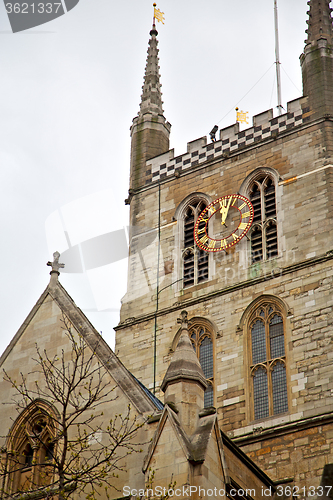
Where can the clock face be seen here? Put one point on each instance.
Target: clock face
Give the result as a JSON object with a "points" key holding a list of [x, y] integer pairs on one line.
{"points": [[228, 218]]}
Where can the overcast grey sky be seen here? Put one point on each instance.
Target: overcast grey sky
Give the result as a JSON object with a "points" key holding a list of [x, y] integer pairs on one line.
{"points": [[68, 92]]}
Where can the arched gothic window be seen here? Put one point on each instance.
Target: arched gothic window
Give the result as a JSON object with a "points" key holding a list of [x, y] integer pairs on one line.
{"points": [[30, 449], [263, 235], [202, 342], [268, 361], [194, 260]]}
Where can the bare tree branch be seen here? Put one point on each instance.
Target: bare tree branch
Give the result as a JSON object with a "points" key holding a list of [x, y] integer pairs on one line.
{"points": [[86, 451]]}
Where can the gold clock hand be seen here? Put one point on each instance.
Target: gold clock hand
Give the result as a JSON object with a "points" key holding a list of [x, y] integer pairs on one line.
{"points": [[225, 211], [222, 212]]}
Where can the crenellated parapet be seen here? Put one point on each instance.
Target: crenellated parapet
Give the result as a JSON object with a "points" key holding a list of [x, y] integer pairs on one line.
{"points": [[264, 127]]}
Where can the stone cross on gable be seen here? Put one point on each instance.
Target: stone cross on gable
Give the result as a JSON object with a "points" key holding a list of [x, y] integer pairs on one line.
{"points": [[183, 320], [55, 264]]}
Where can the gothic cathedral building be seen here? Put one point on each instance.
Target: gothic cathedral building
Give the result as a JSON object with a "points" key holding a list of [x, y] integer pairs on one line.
{"points": [[238, 231], [224, 350]]}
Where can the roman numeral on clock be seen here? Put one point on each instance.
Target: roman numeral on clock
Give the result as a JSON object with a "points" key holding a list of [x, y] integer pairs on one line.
{"points": [[211, 211]]}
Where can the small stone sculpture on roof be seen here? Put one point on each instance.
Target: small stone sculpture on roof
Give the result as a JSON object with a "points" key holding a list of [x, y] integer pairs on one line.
{"points": [[55, 264]]}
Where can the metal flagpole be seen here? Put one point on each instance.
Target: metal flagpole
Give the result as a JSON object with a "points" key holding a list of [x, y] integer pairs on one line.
{"points": [[277, 58]]}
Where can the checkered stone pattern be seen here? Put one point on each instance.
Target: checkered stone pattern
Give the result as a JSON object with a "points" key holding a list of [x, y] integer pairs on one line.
{"points": [[228, 145]]}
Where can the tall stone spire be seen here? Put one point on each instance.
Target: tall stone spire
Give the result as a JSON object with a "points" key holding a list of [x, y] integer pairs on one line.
{"points": [[151, 98], [150, 131], [317, 59]]}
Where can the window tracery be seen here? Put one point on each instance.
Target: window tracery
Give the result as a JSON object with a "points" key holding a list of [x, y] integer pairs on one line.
{"points": [[31, 449], [263, 236], [202, 333], [192, 263], [195, 260], [268, 361], [202, 342]]}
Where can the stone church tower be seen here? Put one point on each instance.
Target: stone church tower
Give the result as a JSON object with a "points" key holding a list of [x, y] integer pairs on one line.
{"points": [[259, 306], [228, 318]]}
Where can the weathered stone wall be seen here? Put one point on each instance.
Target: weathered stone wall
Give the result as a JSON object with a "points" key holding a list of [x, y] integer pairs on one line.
{"points": [[308, 331], [300, 277], [304, 220], [297, 455], [305, 230]]}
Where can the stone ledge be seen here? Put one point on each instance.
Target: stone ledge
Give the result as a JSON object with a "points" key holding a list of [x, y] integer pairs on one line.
{"points": [[224, 291], [281, 430]]}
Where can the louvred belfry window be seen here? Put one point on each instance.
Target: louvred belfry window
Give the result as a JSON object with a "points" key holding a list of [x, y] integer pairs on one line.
{"points": [[268, 362], [202, 342], [195, 260], [263, 236]]}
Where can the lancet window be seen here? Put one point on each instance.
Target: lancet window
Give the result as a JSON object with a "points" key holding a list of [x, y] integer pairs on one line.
{"points": [[263, 236], [268, 362], [202, 341], [30, 450], [194, 260]]}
